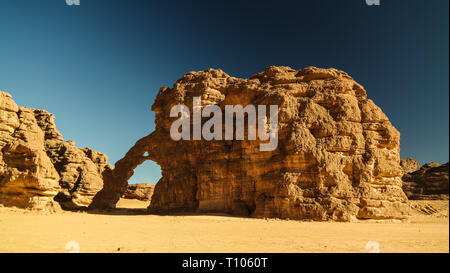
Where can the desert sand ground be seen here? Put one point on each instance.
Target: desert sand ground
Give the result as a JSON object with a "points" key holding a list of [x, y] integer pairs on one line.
{"points": [[129, 230]]}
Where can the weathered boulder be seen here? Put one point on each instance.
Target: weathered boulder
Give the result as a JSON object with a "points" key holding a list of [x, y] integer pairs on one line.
{"points": [[337, 156], [409, 165], [38, 170], [140, 191], [430, 182]]}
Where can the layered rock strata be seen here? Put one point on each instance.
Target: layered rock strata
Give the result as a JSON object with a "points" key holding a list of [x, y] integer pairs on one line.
{"points": [[140, 191], [430, 182], [38, 169], [337, 156]]}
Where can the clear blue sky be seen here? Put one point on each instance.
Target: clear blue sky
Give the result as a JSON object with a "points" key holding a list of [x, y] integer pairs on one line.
{"points": [[98, 66]]}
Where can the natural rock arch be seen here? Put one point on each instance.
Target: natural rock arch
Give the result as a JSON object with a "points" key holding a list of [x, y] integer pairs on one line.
{"points": [[115, 181], [338, 156]]}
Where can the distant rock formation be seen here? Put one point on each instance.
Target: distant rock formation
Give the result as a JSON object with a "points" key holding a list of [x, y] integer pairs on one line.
{"points": [[337, 156], [409, 165], [38, 170], [141, 191], [430, 182]]}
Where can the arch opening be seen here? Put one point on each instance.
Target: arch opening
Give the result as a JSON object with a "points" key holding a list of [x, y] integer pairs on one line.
{"points": [[141, 186], [115, 181]]}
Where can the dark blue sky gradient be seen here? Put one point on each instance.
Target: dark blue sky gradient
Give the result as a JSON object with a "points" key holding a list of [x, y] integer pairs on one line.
{"points": [[98, 66]]}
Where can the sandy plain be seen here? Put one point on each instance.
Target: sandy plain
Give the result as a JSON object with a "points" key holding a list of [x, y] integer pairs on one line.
{"points": [[130, 229]]}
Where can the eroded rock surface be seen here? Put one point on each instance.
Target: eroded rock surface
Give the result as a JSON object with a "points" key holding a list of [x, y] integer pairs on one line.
{"points": [[140, 191], [409, 165], [430, 182], [38, 170], [27, 176], [337, 156]]}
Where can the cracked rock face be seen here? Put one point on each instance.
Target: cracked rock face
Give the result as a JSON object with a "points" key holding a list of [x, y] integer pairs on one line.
{"points": [[337, 156], [38, 170]]}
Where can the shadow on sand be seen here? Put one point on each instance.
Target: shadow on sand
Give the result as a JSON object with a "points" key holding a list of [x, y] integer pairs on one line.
{"points": [[144, 211]]}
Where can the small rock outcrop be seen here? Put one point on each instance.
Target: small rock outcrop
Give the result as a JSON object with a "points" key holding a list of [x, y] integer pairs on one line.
{"points": [[337, 156], [38, 169], [409, 165], [141, 191], [430, 182]]}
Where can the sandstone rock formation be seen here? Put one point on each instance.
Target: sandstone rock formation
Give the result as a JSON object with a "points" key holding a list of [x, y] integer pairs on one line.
{"points": [[337, 156], [141, 191], [430, 182], [27, 176], [409, 165], [80, 173], [37, 167]]}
